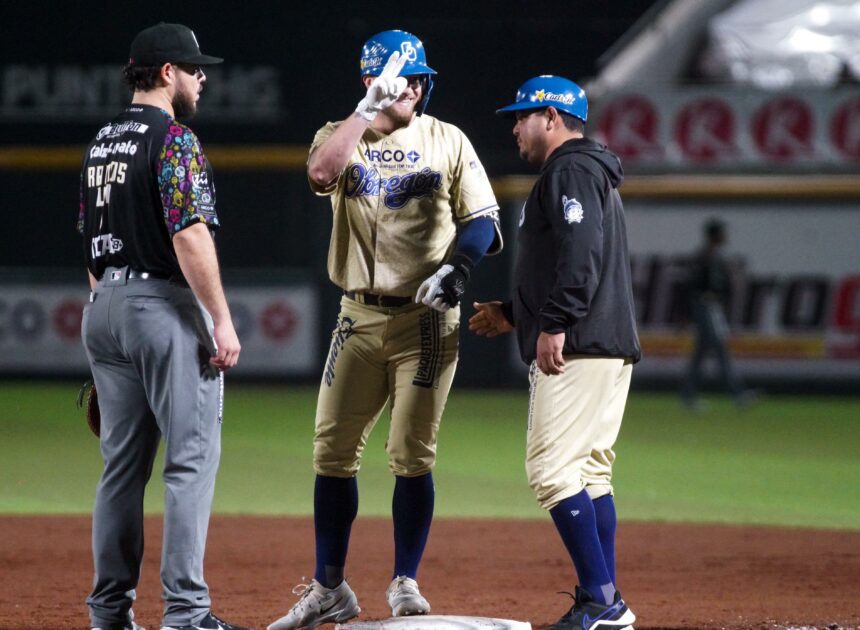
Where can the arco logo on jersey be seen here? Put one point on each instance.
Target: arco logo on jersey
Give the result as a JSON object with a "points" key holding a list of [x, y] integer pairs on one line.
{"points": [[397, 189], [398, 156]]}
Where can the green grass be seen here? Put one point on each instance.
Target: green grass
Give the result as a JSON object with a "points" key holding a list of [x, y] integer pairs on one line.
{"points": [[785, 461]]}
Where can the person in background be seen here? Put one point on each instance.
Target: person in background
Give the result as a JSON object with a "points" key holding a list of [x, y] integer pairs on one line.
{"points": [[708, 292]]}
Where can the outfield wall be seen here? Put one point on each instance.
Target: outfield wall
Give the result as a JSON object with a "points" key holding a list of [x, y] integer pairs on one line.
{"points": [[795, 307], [795, 300], [793, 245], [40, 328]]}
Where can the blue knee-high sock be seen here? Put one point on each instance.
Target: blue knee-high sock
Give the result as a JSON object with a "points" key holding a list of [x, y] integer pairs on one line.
{"points": [[335, 507], [575, 521], [412, 510], [604, 513]]}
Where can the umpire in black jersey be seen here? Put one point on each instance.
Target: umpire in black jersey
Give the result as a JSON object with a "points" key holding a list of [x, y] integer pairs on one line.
{"points": [[157, 332]]}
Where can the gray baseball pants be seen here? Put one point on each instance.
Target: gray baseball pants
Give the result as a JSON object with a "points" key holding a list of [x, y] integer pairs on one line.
{"points": [[712, 337], [148, 344]]}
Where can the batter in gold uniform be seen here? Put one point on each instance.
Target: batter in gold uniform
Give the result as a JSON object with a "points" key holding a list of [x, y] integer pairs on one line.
{"points": [[413, 213]]}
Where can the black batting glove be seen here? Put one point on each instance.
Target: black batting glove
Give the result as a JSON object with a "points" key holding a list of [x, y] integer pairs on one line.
{"points": [[453, 285], [443, 289]]}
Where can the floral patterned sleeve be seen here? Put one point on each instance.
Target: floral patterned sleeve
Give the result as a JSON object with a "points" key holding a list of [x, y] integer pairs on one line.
{"points": [[185, 181]]}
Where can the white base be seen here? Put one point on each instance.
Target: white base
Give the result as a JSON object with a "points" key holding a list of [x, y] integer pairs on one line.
{"points": [[437, 622]]}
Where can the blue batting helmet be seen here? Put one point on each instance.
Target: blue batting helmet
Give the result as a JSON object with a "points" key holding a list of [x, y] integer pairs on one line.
{"points": [[548, 90], [378, 49]]}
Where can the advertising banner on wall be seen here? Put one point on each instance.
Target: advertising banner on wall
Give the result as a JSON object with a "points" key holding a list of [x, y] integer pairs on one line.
{"points": [[794, 307], [278, 327], [725, 127], [62, 92]]}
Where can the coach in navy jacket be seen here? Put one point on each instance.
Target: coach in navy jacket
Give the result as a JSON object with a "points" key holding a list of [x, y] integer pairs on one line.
{"points": [[572, 308], [572, 273]]}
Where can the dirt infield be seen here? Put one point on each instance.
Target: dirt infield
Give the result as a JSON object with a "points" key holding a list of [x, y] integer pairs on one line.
{"points": [[673, 576]]}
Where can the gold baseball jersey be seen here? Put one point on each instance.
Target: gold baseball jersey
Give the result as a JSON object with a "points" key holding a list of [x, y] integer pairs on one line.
{"points": [[398, 202]]}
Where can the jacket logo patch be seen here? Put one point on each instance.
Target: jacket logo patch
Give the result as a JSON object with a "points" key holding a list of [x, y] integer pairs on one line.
{"points": [[572, 209]]}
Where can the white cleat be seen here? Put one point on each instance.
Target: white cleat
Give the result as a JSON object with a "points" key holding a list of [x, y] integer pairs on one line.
{"points": [[405, 598], [318, 605]]}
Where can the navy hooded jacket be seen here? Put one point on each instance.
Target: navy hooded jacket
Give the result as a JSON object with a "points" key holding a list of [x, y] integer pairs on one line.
{"points": [[572, 273]]}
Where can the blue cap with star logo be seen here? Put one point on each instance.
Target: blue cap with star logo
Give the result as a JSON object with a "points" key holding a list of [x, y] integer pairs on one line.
{"points": [[548, 90]]}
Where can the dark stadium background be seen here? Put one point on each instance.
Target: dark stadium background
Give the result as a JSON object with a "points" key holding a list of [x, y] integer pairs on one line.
{"points": [[290, 67], [482, 51]]}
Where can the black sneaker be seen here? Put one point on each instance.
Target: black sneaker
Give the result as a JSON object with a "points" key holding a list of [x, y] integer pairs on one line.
{"points": [[209, 622], [587, 614]]}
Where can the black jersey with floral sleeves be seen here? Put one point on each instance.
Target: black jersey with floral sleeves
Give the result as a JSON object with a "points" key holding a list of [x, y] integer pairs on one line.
{"points": [[144, 178]]}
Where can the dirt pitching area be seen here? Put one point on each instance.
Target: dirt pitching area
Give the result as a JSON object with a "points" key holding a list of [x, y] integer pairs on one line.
{"points": [[672, 576]]}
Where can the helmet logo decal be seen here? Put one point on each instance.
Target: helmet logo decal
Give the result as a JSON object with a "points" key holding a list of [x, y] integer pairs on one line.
{"points": [[552, 97], [372, 56], [572, 209], [409, 51]]}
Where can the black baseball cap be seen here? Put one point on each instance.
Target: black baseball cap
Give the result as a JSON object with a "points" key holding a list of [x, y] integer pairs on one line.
{"points": [[168, 43]]}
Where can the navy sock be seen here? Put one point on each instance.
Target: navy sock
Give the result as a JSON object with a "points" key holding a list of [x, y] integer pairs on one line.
{"points": [[335, 507], [575, 521], [604, 513], [412, 510]]}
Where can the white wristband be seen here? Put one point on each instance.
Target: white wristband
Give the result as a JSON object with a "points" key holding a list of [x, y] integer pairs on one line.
{"points": [[364, 110]]}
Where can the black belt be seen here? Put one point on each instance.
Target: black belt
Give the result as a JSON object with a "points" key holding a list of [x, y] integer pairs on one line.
{"points": [[133, 274], [387, 301], [119, 275]]}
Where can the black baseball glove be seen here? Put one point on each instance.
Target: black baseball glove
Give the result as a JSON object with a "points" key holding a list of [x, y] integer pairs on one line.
{"points": [[94, 418]]}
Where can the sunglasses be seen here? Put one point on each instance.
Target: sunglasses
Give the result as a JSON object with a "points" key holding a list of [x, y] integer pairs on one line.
{"points": [[192, 69]]}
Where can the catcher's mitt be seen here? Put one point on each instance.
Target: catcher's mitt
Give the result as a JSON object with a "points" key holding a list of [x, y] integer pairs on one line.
{"points": [[94, 418]]}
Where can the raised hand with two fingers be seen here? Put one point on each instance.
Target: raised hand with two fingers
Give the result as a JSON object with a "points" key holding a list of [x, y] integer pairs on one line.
{"points": [[384, 89]]}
